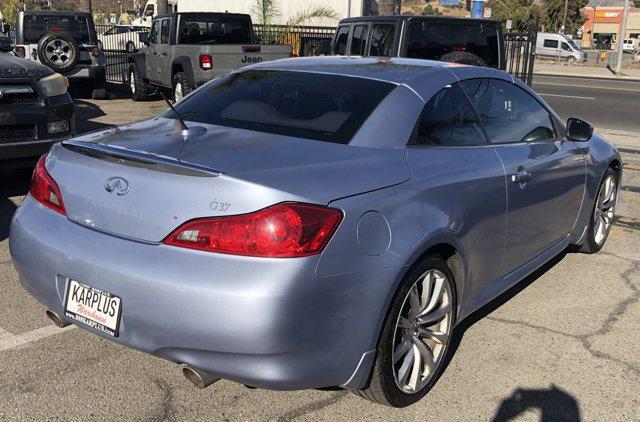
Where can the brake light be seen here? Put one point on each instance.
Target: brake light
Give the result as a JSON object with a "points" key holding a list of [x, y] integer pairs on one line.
{"points": [[285, 230], [206, 61], [44, 189], [293, 55]]}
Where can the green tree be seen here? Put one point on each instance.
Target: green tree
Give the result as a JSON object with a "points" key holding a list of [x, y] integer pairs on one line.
{"points": [[9, 10], [554, 10], [430, 10], [522, 13]]}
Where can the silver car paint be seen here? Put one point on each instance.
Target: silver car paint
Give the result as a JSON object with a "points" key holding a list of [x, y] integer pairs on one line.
{"points": [[314, 321]]}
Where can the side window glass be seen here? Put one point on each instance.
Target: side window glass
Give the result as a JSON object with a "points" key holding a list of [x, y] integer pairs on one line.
{"points": [[153, 39], [566, 47], [550, 43], [508, 113], [382, 40], [341, 40], [164, 33], [448, 119], [359, 40]]}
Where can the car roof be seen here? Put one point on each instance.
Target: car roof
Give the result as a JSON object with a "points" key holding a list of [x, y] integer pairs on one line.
{"points": [[399, 18], [423, 77], [55, 13], [389, 69]]}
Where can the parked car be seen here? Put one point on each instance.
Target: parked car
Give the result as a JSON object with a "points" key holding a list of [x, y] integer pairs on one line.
{"points": [[313, 222], [123, 38], [476, 42], [67, 43], [558, 46], [187, 50], [35, 109], [631, 45]]}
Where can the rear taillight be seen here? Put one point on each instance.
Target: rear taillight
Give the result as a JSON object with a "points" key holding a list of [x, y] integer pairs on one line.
{"points": [[44, 189], [206, 61], [285, 230], [293, 55]]}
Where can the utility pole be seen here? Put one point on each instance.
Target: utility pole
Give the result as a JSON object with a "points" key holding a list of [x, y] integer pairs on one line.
{"points": [[621, 35], [564, 16]]}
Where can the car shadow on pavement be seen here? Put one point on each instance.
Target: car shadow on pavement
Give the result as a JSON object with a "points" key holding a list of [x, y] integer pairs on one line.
{"points": [[553, 403], [10, 185], [86, 113]]}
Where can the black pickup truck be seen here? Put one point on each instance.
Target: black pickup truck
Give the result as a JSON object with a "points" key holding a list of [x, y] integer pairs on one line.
{"points": [[477, 42]]}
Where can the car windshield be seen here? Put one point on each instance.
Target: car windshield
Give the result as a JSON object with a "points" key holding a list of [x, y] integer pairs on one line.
{"points": [[215, 30], [36, 26], [321, 107]]}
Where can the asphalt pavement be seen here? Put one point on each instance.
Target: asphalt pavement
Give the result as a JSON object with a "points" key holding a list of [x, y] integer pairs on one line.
{"points": [[605, 103], [564, 344]]}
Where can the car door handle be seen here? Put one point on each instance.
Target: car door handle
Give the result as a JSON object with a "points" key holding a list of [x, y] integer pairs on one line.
{"points": [[521, 176]]}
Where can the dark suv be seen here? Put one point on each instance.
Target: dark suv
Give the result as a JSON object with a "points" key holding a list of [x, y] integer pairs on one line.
{"points": [[66, 42], [35, 109], [477, 42]]}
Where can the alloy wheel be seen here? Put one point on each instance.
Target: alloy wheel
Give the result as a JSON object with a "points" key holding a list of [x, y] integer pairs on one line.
{"points": [[58, 52], [604, 210], [177, 92], [422, 331], [132, 81]]}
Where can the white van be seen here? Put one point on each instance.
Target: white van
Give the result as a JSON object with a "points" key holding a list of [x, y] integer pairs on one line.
{"points": [[631, 44], [558, 46]]}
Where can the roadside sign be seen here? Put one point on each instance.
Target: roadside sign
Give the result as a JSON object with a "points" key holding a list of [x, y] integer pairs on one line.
{"points": [[509, 24], [449, 2], [487, 12]]}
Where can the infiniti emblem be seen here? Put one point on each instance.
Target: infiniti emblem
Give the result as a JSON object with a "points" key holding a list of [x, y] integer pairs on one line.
{"points": [[118, 185]]}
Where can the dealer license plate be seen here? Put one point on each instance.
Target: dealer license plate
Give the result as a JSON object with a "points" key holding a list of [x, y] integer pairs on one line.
{"points": [[93, 307]]}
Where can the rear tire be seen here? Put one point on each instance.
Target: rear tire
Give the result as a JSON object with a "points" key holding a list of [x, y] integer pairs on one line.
{"points": [[181, 87], [404, 336], [463, 57], [140, 90]]}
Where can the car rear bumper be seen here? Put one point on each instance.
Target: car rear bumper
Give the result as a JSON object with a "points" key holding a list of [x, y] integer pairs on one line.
{"points": [[86, 72], [269, 323]]}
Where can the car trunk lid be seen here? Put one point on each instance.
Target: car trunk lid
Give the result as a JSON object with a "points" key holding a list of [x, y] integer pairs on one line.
{"points": [[144, 180]]}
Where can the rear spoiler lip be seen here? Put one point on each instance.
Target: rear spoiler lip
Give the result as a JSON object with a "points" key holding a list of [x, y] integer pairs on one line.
{"points": [[135, 158]]}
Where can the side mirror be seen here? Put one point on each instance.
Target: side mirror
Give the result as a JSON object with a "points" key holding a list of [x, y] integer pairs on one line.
{"points": [[578, 130], [325, 48], [6, 46]]}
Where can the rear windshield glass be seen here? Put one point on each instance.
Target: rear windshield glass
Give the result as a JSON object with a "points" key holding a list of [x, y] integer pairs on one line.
{"points": [[431, 41], [328, 108], [35, 27], [214, 30]]}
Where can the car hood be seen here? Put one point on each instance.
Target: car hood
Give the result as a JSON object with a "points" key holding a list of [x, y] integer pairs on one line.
{"points": [[12, 67]]}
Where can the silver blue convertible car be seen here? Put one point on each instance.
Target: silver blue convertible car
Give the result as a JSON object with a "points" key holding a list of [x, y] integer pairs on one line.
{"points": [[314, 222]]}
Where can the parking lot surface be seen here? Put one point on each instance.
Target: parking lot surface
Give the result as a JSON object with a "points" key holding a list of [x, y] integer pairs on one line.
{"points": [[564, 344]]}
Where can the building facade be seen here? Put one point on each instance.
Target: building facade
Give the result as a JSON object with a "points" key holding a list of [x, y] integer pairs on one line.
{"points": [[603, 27]]}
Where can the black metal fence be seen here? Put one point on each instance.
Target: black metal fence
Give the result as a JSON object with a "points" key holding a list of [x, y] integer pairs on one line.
{"points": [[305, 40], [117, 42], [520, 48]]}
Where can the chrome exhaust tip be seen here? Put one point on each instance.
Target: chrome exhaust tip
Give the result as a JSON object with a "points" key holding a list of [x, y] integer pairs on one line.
{"points": [[198, 377], [56, 319]]}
